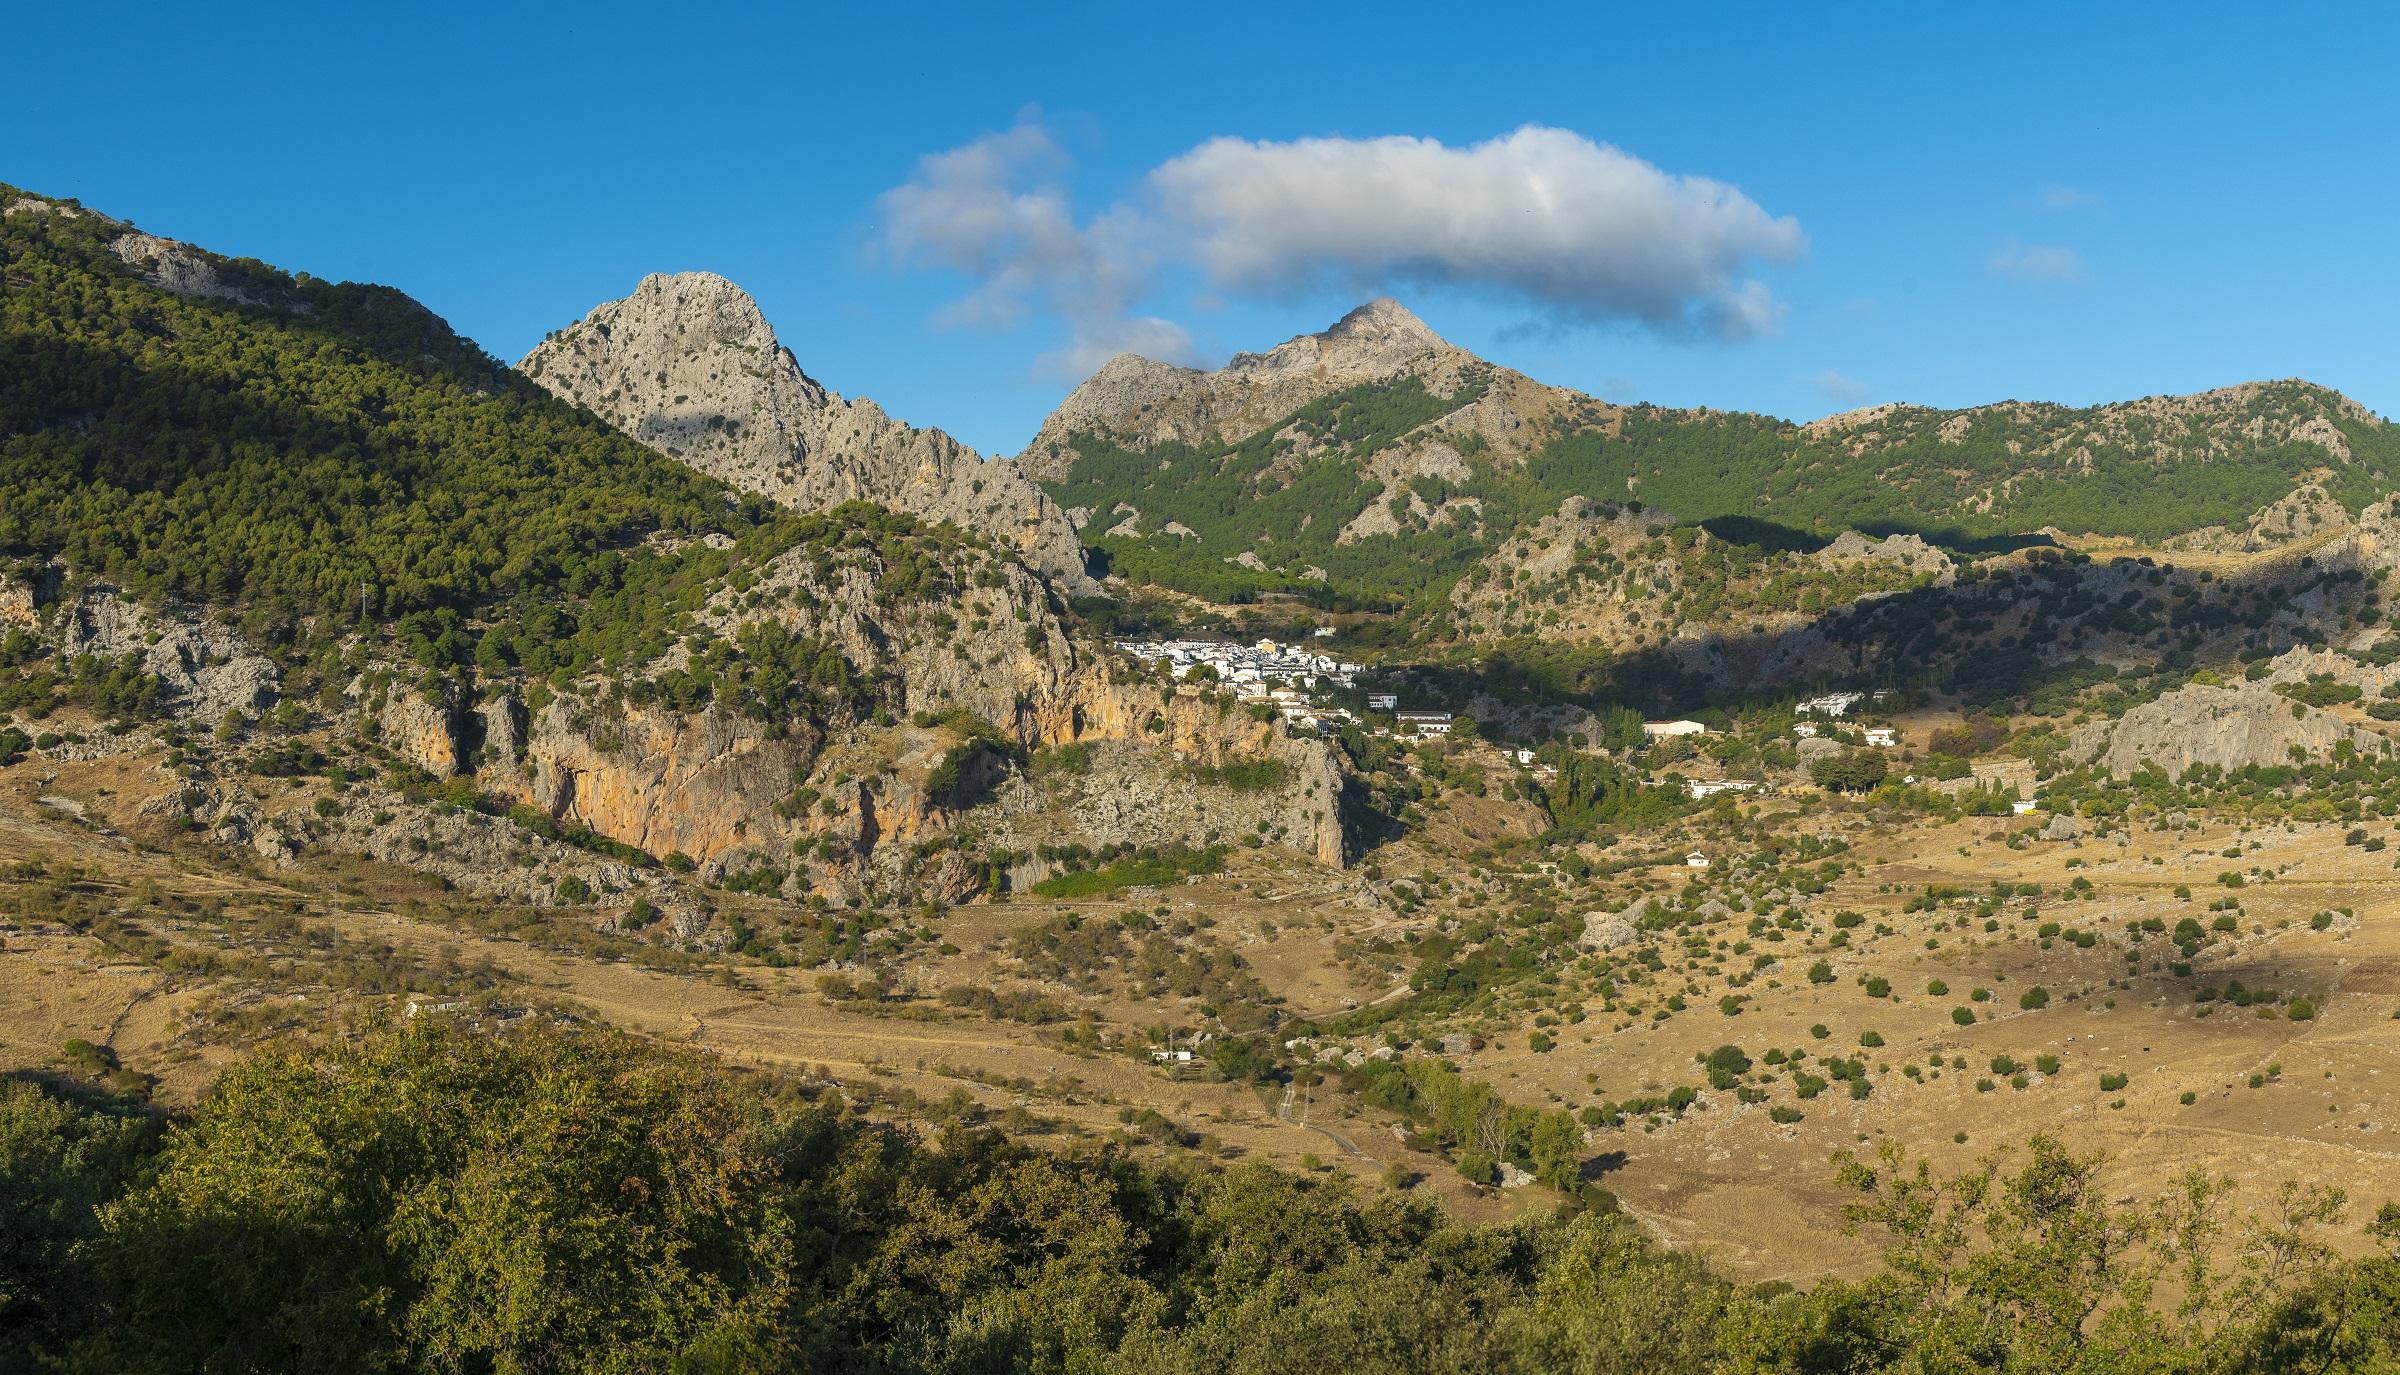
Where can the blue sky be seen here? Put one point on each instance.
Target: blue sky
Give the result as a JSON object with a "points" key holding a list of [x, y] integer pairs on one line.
{"points": [[1923, 203]]}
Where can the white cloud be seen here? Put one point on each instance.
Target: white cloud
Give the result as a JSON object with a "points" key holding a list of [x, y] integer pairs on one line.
{"points": [[2055, 197], [2036, 264], [1835, 387], [1545, 217], [997, 211], [1580, 233]]}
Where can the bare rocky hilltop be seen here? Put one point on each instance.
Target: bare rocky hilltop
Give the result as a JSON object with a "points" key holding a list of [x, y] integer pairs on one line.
{"points": [[688, 365], [1140, 402]]}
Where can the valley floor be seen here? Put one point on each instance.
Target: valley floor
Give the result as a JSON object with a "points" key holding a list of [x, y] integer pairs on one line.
{"points": [[172, 953]]}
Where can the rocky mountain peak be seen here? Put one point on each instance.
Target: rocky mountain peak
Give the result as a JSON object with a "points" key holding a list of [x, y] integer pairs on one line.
{"points": [[689, 365], [1149, 402], [1378, 339], [1384, 319], [700, 303]]}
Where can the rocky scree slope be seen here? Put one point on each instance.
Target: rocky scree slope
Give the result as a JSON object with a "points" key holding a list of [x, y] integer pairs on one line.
{"points": [[688, 365]]}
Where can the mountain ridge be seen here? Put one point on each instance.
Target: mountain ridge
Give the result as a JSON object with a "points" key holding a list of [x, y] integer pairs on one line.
{"points": [[689, 365], [1424, 458]]}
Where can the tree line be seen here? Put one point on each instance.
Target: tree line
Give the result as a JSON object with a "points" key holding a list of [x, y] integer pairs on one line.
{"points": [[424, 1198]]}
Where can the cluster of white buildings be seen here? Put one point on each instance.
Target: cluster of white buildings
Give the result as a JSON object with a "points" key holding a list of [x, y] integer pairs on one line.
{"points": [[1877, 737], [1239, 666], [1281, 676], [1838, 704], [1278, 675]]}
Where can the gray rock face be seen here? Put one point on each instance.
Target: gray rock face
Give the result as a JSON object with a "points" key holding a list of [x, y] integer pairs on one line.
{"points": [[208, 670], [2228, 727], [173, 267], [689, 366]]}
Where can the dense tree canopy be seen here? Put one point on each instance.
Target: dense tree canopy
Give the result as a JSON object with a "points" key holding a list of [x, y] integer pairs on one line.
{"points": [[425, 1199]]}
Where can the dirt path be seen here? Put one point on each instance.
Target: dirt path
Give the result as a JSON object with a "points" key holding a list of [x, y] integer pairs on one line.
{"points": [[1348, 1147]]}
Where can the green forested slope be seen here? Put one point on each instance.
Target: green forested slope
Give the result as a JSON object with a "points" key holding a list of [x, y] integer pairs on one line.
{"points": [[2000, 470], [324, 456], [2147, 470]]}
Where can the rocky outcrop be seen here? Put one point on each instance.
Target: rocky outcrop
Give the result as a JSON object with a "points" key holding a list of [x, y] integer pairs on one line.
{"points": [[848, 802], [688, 365], [859, 806], [664, 782], [206, 669], [2228, 727], [25, 593], [427, 732], [2304, 513], [176, 268], [1907, 551]]}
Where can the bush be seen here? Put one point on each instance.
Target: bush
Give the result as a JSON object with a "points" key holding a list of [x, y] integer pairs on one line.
{"points": [[2111, 1082]]}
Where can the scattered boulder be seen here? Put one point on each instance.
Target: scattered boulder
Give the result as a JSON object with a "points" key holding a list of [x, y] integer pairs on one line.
{"points": [[1607, 930]]}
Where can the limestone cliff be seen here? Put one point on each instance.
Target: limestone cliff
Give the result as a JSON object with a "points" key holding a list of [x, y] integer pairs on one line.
{"points": [[974, 670], [688, 365]]}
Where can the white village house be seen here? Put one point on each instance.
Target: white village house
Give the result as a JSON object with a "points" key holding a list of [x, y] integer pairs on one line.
{"points": [[1830, 704], [1667, 730]]}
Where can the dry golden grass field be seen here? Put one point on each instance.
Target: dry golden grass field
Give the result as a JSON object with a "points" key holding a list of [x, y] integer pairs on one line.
{"points": [[174, 953]]}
